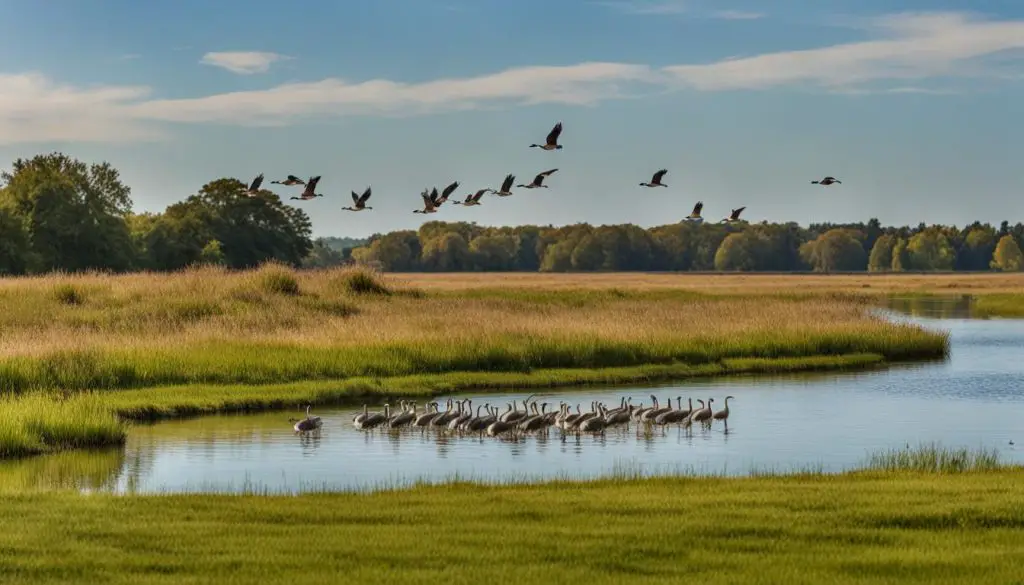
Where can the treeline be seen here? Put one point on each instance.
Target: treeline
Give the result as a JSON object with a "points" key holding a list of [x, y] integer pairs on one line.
{"points": [[684, 246], [58, 213]]}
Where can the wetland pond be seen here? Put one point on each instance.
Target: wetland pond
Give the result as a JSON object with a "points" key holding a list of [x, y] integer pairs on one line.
{"points": [[826, 421]]}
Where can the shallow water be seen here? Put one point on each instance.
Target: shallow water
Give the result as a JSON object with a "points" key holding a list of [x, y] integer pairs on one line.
{"points": [[829, 422]]}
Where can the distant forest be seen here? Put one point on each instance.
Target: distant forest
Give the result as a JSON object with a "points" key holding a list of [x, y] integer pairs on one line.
{"points": [[58, 213]]}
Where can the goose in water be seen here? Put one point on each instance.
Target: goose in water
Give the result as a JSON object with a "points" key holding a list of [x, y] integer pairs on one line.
{"points": [[506, 187], [723, 415], [674, 416], [359, 201], [552, 140], [254, 188], [403, 419], [695, 214], [656, 180], [291, 180], [734, 216], [310, 191], [827, 181], [538, 181], [430, 202], [703, 415], [424, 419], [374, 419], [594, 424], [310, 423], [472, 198]]}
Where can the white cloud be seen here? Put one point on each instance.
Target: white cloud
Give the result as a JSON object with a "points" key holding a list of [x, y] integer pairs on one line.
{"points": [[242, 62], [34, 109], [737, 15], [649, 6], [909, 46], [908, 53], [581, 84]]}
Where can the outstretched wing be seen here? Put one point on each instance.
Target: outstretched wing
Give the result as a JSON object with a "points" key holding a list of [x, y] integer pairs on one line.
{"points": [[658, 175], [554, 134], [449, 190], [546, 173], [478, 195], [509, 179], [427, 202], [295, 179], [355, 198], [736, 212], [434, 196], [365, 196], [697, 208], [256, 182]]}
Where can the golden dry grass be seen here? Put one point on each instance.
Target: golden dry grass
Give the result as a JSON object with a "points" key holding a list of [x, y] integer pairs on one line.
{"points": [[725, 283]]}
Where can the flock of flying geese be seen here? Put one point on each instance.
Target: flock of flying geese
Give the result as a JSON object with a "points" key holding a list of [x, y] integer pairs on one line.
{"points": [[460, 417], [432, 199]]}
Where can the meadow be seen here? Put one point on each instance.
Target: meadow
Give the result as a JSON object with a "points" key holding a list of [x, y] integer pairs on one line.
{"points": [[923, 515]]}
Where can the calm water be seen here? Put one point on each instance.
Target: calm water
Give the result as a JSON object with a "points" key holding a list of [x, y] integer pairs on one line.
{"points": [[830, 421]]}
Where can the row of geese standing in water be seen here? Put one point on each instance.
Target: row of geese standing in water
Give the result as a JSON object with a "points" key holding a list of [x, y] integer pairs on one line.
{"points": [[459, 416]]}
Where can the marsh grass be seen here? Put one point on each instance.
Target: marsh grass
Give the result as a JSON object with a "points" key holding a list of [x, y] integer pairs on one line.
{"points": [[38, 423], [272, 325], [934, 458], [856, 528], [1000, 305]]}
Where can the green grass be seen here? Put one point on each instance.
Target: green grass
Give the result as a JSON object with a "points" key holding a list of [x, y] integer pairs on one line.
{"points": [[999, 305], [934, 458], [868, 527], [38, 423]]}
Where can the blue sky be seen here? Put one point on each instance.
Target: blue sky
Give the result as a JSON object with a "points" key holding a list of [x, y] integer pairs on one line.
{"points": [[916, 106]]}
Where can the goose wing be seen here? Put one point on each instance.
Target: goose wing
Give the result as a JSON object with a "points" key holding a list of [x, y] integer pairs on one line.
{"points": [[554, 134], [658, 175], [434, 197], [697, 208], [355, 198], [449, 190], [365, 196], [255, 186], [736, 212], [427, 202], [294, 179], [509, 179], [478, 195]]}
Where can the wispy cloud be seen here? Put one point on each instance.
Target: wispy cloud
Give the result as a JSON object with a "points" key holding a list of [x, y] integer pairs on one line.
{"points": [[737, 15], [243, 62], [907, 53], [909, 46], [129, 57], [649, 6]]}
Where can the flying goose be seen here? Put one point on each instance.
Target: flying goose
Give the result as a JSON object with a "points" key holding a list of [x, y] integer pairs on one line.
{"points": [[656, 180], [735, 216], [538, 181], [310, 191], [447, 193], [429, 202], [254, 188], [695, 214], [827, 181], [552, 141], [472, 198], [506, 187], [359, 201], [291, 180]]}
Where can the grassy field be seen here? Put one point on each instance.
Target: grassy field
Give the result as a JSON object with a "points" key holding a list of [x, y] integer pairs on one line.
{"points": [[867, 527]]}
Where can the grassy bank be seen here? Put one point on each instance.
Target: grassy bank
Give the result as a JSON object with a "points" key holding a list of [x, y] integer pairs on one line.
{"points": [[867, 527], [40, 423], [274, 326]]}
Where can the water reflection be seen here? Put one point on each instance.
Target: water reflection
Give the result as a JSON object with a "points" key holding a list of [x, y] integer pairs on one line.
{"points": [[80, 470], [934, 307]]}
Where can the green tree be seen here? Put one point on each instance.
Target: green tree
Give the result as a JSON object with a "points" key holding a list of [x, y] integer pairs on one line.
{"points": [[73, 213], [836, 249], [588, 255], [558, 257], [738, 252], [497, 252], [931, 250], [447, 252], [212, 254], [323, 255], [14, 246], [881, 257], [1007, 256], [977, 249], [900, 256]]}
